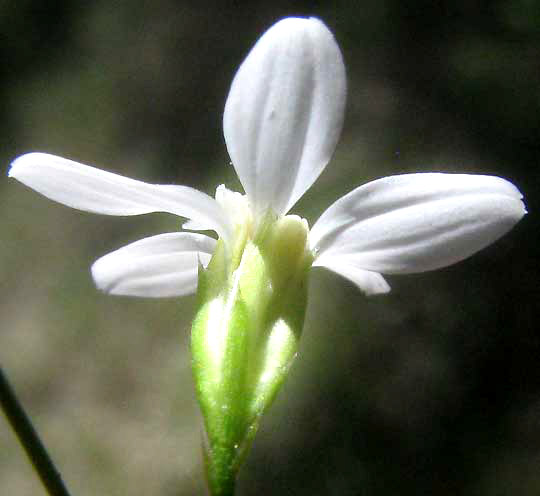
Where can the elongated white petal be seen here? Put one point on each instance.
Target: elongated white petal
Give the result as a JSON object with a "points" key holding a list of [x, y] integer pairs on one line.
{"points": [[284, 112], [94, 190], [159, 266], [416, 222], [371, 283]]}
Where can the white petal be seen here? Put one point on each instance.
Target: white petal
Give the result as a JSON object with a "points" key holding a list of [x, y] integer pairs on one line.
{"points": [[193, 225], [159, 266], [284, 112], [94, 190], [371, 283], [416, 222]]}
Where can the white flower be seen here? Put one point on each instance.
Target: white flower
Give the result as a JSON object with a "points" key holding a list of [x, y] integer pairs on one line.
{"points": [[282, 121]]}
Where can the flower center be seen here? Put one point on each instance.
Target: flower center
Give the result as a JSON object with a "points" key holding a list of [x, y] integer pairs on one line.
{"points": [[284, 239], [236, 207]]}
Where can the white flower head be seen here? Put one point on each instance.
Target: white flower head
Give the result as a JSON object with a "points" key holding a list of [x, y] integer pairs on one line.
{"points": [[282, 121]]}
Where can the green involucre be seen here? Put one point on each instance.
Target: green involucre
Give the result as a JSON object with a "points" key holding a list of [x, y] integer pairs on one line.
{"points": [[251, 308]]}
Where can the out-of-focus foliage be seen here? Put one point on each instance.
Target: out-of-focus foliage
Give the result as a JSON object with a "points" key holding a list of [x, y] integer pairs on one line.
{"points": [[432, 389]]}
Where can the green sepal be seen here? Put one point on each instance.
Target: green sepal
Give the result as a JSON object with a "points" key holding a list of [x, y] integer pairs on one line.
{"points": [[218, 342]]}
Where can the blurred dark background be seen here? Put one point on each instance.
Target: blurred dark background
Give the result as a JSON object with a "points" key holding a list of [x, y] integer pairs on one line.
{"points": [[432, 389]]}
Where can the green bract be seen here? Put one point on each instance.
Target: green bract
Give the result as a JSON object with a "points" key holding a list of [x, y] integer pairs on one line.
{"points": [[251, 308]]}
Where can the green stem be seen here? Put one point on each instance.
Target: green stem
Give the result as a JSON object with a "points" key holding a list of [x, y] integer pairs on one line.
{"points": [[20, 423], [221, 486], [220, 474]]}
